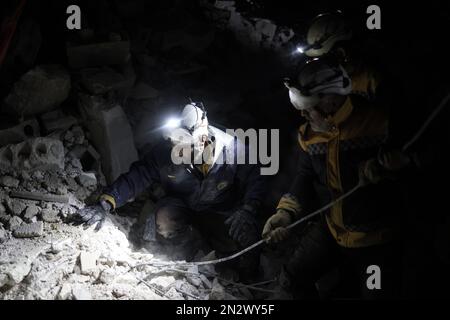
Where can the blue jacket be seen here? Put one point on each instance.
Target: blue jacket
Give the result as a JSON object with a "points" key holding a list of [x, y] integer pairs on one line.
{"points": [[225, 188]]}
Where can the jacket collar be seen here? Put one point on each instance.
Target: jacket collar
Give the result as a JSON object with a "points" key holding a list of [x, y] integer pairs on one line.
{"points": [[343, 113]]}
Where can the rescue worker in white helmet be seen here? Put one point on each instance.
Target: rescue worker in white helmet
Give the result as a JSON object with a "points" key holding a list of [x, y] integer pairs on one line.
{"points": [[330, 36], [342, 133], [221, 200]]}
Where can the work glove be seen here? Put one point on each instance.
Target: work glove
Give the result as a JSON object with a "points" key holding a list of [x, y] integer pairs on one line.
{"points": [[93, 214], [384, 167], [393, 160], [275, 228], [243, 225]]}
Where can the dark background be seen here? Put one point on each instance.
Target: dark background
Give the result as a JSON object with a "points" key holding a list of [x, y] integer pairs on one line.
{"points": [[242, 87]]}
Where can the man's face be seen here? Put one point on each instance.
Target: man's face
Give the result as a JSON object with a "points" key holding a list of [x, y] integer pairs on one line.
{"points": [[317, 115], [316, 119]]}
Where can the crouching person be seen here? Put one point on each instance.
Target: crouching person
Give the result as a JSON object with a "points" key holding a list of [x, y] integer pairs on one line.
{"points": [[210, 192]]}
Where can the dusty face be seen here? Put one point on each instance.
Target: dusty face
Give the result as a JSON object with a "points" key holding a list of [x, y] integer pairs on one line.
{"points": [[318, 115], [315, 118]]}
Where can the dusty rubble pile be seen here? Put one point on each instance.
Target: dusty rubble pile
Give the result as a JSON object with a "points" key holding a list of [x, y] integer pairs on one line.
{"points": [[42, 257], [72, 263], [43, 181]]}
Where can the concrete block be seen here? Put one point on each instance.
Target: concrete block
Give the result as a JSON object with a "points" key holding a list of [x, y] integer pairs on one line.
{"points": [[3, 236], [39, 90], [37, 153], [88, 262], [8, 181], [102, 80], [29, 230], [111, 135], [57, 120], [19, 133]]}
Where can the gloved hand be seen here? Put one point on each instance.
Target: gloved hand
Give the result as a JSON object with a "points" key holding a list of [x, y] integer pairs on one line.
{"points": [[393, 160], [370, 171], [275, 228], [243, 226], [93, 214]]}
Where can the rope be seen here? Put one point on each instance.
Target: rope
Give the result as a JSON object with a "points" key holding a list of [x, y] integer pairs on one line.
{"points": [[315, 213]]}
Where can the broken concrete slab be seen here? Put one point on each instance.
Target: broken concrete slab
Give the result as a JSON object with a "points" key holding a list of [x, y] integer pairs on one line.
{"points": [[37, 153], [50, 216], [57, 120], [80, 292], [19, 133], [29, 230], [87, 179], [111, 135], [218, 291], [8, 181], [65, 292], [39, 90], [16, 206], [88, 263], [102, 80], [206, 283], [98, 54], [3, 236]]}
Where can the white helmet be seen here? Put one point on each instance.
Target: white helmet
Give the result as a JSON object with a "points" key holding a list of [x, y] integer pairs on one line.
{"points": [[318, 78], [324, 32]]}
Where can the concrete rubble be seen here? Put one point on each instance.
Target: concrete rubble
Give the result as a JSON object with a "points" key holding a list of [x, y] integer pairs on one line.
{"points": [[253, 32], [49, 85], [19, 132]]}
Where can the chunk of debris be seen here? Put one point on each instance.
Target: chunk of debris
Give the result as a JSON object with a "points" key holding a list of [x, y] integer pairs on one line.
{"points": [[107, 276], [217, 291], [31, 230], [36, 153], [142, 91], [3, 235], [31, 212], [80, 292], [78, 134], [8, 181], [57, 120], [16, 206], [173, 294], [98, 54], [88, 263], [39, 196], [163, 282], [193, 276], [65, 292], [87, 179], [112, 135], [40, 89], [19, 132], [50, 216], [102, 80]]}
